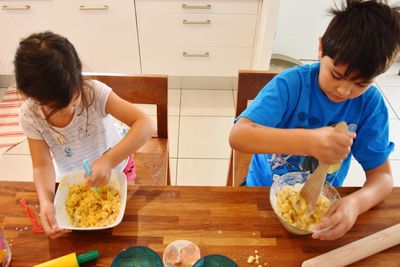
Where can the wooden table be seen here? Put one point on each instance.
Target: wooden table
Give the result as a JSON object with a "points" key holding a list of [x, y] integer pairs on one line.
{"points": [[225, 220]]}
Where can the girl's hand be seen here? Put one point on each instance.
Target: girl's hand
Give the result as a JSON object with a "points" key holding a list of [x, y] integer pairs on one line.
{"points": [[101, 172], [331, 146], [48, 220], [340, 218]]}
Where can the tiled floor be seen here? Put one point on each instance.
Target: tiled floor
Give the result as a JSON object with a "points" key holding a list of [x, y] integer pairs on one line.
{"points": [[201, 114]]}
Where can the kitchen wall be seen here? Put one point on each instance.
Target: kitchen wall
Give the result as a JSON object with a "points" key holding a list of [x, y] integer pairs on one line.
{"points": [[300, 24]]}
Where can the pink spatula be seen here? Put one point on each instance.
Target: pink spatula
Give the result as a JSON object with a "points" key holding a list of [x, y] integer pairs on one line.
{"points": [[35, 226]]}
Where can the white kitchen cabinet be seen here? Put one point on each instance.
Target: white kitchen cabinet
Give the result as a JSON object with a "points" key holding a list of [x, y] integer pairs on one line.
{"points": [[199, 38], [18, 19], [103, 32]]}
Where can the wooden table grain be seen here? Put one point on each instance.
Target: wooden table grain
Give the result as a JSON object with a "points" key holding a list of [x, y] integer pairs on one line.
{"points": [[234, 221]]}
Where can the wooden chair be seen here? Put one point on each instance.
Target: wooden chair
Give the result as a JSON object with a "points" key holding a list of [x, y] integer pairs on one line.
{"points": [[250, 84], [152, 159]]}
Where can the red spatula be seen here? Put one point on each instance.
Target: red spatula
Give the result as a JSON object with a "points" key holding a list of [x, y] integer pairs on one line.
{"points": [[35, 226]]}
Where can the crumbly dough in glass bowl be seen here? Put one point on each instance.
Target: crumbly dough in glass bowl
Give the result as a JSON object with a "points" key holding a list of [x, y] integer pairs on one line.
{"points": [[294, 209], [87, 207]]}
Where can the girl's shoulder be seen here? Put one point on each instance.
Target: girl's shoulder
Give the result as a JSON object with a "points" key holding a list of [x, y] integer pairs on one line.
{"points": [[29, 107]]}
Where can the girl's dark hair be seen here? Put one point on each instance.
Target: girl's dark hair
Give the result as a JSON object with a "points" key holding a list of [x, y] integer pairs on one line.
{"points": [[365, 36], [48, 70]]}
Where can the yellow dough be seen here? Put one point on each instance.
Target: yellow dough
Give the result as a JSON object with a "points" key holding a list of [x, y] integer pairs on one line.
{"points": [[293, 208], [88, 208]]}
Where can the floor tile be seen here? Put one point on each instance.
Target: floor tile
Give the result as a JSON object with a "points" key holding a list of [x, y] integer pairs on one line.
{"points": [[392, 95], [394, 135], [202, 172], [174, 82], [149, 109], [207, 103], [173, 131], [15, 168], [355, 176], [388, 80], [20, 149], [172, 169], [223, 83], [395, 164], [174, 101], [204, 137]]}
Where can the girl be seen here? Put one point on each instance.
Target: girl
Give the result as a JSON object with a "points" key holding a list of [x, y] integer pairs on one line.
{"points": [[68, 116]]}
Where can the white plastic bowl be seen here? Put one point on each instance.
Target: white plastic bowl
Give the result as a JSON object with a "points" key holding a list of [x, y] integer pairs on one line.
{"points": [[117, 180]]}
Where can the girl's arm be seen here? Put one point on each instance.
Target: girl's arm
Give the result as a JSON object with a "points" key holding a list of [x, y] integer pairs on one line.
{"points": [[325, 144], [141, 129], [343, 213], [44, 179]]}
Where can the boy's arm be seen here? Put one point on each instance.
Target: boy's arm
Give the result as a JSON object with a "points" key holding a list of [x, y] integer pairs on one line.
{"points": [[343, 214], [377, 187], [325, 144]]}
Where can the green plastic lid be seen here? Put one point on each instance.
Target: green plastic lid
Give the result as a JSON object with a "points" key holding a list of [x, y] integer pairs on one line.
{"points": [[88, 256]]}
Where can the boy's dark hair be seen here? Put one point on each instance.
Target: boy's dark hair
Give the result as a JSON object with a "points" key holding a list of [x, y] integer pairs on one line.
{"points": [[48, 70], [365, 36]]}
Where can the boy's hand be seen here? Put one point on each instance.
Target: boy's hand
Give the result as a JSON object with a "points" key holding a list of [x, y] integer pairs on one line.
{"points": [[101, 172], [340, 218], [331, 146], [48, 220]]}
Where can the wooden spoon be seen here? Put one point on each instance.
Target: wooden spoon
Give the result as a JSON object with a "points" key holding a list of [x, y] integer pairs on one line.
{"points": [[313, 186]]}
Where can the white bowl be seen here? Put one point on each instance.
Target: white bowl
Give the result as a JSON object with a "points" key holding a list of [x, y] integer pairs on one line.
{"points": [[117, 180]]}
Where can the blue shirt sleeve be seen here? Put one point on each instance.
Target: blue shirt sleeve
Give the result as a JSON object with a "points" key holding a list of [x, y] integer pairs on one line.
{"points": [[272, 103], [372, 147]]}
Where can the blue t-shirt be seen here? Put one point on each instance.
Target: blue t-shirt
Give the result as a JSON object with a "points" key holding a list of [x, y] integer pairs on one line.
{"points": [[293, 99]]}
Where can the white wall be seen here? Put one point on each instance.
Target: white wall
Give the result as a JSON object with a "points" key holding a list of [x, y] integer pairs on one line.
{"points": [[300, 24]]}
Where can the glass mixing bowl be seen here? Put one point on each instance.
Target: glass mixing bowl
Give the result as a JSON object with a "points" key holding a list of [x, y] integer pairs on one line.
{"points": [[292, 179]]}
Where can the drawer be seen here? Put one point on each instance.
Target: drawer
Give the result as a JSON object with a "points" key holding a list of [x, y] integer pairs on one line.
{"points": [[194, 29], [220, 61], [198, 6]]}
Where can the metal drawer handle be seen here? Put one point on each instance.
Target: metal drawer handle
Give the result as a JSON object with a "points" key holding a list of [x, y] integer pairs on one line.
{"points": [[26, 7], [196, 21], [105, 7], [186, 54], [184, 6]]}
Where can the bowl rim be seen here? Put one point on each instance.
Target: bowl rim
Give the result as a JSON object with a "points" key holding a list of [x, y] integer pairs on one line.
{"points": [[135, 248], [213, 255], [76, 177]]}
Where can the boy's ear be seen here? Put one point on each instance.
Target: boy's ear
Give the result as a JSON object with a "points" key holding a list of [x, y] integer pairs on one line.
{"points": [[319, 48]]}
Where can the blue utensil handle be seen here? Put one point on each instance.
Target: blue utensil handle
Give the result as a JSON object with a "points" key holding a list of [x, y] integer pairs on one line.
{"points": [[87, 168]]}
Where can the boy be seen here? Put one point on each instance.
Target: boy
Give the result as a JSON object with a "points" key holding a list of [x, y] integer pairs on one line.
{"points": [[293, 114]]}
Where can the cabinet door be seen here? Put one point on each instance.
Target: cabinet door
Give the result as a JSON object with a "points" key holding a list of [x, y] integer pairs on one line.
{"points": [[18, 19], [103, 32], [199, 38]]}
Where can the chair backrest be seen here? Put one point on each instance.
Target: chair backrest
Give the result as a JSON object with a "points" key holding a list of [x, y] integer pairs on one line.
{"points": [[249, 85], [142, 89], [152, 159]]}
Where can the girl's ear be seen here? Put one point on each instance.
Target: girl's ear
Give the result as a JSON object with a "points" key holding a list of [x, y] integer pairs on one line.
{"points": [[319, 48]]}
